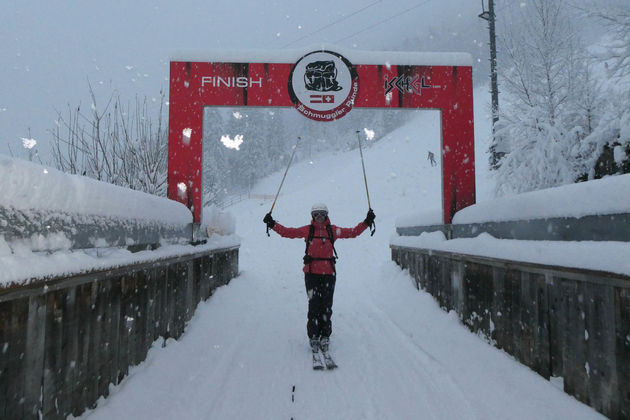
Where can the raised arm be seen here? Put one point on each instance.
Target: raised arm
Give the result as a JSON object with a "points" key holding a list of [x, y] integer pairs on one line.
{"points": [[289, 232], [343, 233], [286, 232]]}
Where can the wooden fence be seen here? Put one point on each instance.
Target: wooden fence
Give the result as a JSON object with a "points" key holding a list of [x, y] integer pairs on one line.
{"points": [[561, 322], [63, 341]]}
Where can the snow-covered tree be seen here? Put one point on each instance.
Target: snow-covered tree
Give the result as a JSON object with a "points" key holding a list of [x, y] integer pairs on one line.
{"points": [[617, 21], [544, 78], [608, 145]]}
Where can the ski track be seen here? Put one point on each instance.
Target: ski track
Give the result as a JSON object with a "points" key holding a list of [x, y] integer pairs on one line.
{"points": [[426, 366], [399, 355]]}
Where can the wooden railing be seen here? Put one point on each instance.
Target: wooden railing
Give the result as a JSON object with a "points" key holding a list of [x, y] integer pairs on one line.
{"points": [[569, 324], [64, 340]]}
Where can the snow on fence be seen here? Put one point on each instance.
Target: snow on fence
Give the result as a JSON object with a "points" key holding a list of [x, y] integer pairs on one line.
{"points": [[569, 325], [43, 209], [44, 230], [586, 211], [63, 341]]}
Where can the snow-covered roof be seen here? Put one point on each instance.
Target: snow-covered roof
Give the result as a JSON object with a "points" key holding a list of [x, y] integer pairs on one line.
{"points": [[355, 56]]}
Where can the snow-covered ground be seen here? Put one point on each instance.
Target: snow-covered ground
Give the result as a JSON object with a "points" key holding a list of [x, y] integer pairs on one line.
{"points": [[245, 353]]}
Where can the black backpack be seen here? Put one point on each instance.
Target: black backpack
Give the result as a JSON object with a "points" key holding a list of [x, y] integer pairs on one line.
{"points": [[311, 235]]}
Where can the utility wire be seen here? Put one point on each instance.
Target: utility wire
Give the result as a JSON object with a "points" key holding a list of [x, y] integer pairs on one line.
{"points": [[333, 23], [400, 13], [383, 21], [371, 26]]}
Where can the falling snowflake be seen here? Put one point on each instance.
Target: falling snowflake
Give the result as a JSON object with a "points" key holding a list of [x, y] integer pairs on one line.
{"points": [[232, 143], [186, 135], [28, 143], [181, 190]]}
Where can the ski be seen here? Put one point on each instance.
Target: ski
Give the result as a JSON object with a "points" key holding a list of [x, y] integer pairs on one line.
{"points": [[318, 363], [328, 361]]}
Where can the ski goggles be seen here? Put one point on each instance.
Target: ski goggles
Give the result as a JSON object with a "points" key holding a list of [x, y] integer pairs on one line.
{"points": [[319, 213]]}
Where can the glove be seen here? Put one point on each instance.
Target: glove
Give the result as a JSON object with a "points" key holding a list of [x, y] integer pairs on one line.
{"points": [[369, 219], [269, 221]]}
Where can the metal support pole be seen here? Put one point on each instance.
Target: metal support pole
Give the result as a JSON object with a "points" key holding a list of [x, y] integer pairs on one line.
{"points": [[490, 16]]}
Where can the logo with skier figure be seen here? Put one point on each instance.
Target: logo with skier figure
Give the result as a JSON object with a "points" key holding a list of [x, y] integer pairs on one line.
{"points": [[323, 85]]}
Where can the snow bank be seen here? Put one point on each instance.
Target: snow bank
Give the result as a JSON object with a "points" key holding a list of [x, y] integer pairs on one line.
{"points": [[27, 186], [597, 197], [425, 218]]}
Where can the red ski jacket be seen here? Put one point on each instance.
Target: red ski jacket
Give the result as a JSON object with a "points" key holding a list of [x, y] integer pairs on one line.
{"points": [[320, 246]]}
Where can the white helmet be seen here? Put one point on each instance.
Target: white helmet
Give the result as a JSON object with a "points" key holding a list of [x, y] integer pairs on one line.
{"points": [[319, 207]]}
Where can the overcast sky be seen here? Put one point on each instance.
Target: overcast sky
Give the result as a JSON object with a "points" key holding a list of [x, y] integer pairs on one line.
{"points": [[50, 49]]}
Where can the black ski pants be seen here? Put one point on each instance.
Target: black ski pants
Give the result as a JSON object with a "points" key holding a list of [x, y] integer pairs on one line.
{"points": [[319, 289]]}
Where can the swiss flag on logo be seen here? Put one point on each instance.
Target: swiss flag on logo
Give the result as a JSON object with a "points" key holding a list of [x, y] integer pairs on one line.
{"points": [[322, 99]]}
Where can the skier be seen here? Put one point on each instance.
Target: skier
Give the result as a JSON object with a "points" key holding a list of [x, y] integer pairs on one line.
{"points": [[319, 271]]}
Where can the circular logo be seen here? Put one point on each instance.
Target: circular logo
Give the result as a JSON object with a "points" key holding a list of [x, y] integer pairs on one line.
{"points": [[323, 85]]}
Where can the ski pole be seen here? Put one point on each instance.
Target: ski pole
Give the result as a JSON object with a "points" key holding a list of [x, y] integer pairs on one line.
{"points": [[367, 192], [283, 177]]}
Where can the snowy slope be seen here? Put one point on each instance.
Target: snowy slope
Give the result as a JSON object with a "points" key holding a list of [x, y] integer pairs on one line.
{"points": [[400, 356]]}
